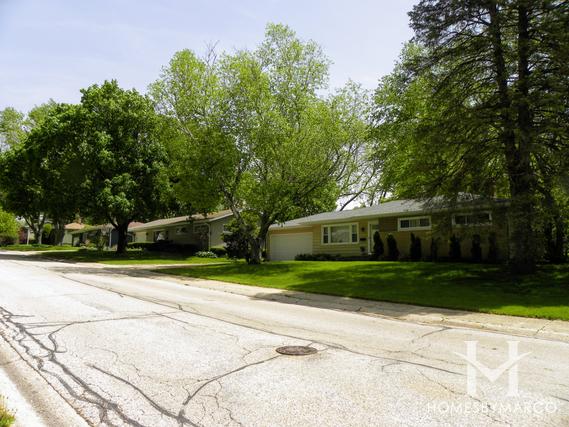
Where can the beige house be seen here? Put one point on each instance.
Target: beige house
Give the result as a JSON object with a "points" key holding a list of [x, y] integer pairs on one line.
{"points": [[350, 233], [202, 231]]}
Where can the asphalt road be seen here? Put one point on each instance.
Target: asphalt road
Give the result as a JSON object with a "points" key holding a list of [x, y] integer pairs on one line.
{"points": [[121, 348]]}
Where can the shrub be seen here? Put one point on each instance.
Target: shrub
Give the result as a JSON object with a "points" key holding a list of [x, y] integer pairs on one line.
{"points": [[9, 228], [378, 248], [316, 257], [47, 234], [392, 251], [492, 248], [169, 246], [139, 245], [220, 251], [435, 248], [415, 251], [476, 250], [205, 254], [237, 240], [454, 248]]}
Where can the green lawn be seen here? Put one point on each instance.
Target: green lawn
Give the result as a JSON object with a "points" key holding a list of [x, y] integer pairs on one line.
{"points": [[475, 287], [131, 257], [36, 247]]}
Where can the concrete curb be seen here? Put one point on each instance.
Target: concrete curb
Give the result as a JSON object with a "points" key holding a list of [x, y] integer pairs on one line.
{"points": [[555, 330]]}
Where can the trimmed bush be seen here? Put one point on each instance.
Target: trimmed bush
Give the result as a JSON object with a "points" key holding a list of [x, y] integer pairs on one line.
{"points": [[492, 248], [392, 250], [220, 251], [205, 254], [435, 249], [139, 245], [454, 252], [476, 249], [378, 248], [168, 246], [415, 251], [316, 257]]}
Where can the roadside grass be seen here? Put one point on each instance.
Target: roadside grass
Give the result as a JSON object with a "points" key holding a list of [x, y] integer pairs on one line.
{"points": [[473, 287], [6, 417], [37, 247], [131, 257]]}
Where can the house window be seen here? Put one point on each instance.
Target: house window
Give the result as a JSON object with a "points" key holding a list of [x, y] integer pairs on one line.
{"points": [[202, 229], [182, 230], [415, 223], [340, 234], [160, 235], [479, 218]]}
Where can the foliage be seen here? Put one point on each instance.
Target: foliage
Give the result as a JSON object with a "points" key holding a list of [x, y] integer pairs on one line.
{"points": [[378, 248], [475, 287], [435, 248], [220, 251], [250, 131], [205, 254], [7, 418], [125, 162], [236, 239], [392, 250], [455, 252], [477, 105], [415, 251], [476, 249], [492, 248], [9, 228], [317, 257]]}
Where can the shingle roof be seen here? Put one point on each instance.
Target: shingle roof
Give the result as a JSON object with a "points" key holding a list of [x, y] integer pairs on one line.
{"points": [[74, 226], [180, 220], [391, 208]]}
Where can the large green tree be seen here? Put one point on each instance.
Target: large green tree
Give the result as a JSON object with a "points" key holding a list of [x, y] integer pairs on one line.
{"points": [[491, 82], [253, 133], [40, 176], [123, 159]]}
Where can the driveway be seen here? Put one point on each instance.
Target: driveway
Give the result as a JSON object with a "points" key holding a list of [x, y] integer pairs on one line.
{"points": [[129, 348]]}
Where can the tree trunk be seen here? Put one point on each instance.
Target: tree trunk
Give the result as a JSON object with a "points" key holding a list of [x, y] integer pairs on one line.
{"points": [[256, 249], [122, 232]]}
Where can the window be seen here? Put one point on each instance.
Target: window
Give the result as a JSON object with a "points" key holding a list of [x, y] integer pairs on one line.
{"points": [[416, 223], [479, 218], [202, 229], [340, 234], [182, 230], [160, 235]]}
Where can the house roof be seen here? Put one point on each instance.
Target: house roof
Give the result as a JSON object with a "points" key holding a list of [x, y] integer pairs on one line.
{"points": [[105, 227], [391, 208], [159, 223]]}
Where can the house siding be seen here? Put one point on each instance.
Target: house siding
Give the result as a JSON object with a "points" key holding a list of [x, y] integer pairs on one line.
{"points": [[441, 229]]}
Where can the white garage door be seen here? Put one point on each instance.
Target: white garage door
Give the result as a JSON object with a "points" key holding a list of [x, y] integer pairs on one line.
{"points": [[287, 246]]}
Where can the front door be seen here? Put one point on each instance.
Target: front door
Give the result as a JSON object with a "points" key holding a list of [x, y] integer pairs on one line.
{"points": [[371, 229]]}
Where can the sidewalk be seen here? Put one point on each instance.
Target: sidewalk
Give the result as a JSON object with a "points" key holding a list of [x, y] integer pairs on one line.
{"points": [[556, 330]]}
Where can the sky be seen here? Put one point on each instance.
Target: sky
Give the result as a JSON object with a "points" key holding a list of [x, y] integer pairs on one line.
{"points": [[53, 48]]}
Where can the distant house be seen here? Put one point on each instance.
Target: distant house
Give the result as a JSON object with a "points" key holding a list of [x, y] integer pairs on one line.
{"points": [[350, 233], [202, 231], [103, 233], [69, 229]]}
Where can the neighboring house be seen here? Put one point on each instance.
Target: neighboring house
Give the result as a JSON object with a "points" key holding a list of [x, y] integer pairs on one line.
{"points": [[69, 229], [350, 233], [90, 234], [202, 231]]}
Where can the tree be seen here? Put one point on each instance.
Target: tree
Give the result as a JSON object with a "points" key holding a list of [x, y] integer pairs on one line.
{"points": [[490, 79], [124, 161], [11, 127], [42, 174], [9, 228], [254, 134], [415, 249]]}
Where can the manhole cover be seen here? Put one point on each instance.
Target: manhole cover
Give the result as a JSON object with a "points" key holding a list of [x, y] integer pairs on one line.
{"points": [[296, 350]]}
